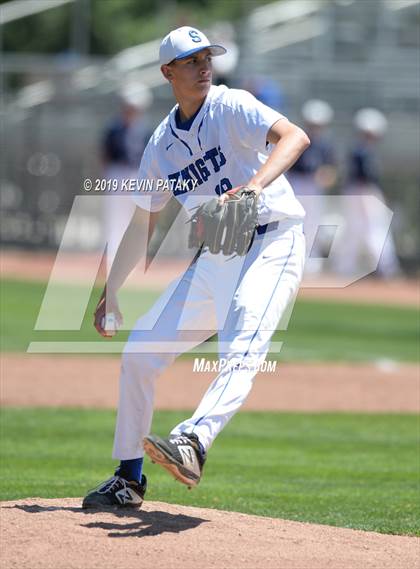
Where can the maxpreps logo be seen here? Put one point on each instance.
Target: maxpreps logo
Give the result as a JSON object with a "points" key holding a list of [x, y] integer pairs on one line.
{"points": [[199, 172]]}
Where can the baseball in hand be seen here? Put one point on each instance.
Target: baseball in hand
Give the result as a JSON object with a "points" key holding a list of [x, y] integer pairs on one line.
{"points": [[109, 324]]}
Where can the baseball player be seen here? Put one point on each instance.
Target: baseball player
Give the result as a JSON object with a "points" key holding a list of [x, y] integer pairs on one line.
{"points": [[218, 140], [314, 173], [364, 224], [123, 144]]}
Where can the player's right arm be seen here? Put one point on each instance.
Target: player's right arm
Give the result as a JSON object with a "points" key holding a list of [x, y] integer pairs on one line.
{"points": [[128, 255]]}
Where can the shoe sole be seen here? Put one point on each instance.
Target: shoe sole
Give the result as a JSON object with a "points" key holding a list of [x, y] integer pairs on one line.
{"points": [[159, 456], [111, 507]]}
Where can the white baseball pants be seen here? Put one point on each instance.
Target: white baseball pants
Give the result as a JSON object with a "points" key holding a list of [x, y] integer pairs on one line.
{"points": [[243, 300]]}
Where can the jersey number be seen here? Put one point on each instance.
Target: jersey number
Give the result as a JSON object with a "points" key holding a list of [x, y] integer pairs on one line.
{"points": [[223, 187]]}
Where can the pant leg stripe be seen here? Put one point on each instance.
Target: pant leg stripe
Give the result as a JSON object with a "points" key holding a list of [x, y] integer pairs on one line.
{"points": [[255, 333]]}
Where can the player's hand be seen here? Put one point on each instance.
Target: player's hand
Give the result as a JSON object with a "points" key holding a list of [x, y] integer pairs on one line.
{"points": [[107, 315], [230, 194]]}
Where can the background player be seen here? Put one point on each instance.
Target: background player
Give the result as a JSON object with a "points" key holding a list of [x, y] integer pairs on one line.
{"points": [[314, 173], [123, 144], [220, 139], [363, 224]]}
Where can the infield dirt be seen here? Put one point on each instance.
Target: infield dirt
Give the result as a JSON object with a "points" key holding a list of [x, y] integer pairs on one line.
{"points": [[34, 380]]}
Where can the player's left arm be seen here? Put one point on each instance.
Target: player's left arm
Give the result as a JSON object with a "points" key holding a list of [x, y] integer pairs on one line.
{"points": [[289, 142]]}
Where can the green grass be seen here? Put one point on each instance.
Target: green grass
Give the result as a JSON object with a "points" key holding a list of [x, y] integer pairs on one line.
{"points": [[21, 302], [348, 470], [318, 331]]}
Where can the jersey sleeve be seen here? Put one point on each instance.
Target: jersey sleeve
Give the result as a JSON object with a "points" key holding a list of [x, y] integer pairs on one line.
{"points": [[249, 120], [150, 195]]}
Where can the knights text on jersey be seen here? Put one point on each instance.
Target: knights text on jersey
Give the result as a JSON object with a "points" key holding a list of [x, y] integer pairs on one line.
{"points": [[224, 147]]}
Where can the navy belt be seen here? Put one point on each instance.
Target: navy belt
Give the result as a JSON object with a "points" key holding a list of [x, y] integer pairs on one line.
{"points": [[261, 229]]}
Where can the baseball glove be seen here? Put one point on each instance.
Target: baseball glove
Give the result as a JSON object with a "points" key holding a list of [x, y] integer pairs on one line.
{"points": [[226, 227]]}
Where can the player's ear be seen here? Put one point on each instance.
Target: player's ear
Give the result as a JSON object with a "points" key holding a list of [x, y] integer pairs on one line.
{"points": [[166, 72]]}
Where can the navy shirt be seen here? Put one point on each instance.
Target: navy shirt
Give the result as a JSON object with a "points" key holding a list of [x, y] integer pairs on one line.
{"points": [[319, 153], [125, 144], [114, 142], [185, 125], [362, 165]]}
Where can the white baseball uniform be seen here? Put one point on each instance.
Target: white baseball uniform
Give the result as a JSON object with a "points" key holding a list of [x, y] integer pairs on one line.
{"points": [[242, 299], [364, 223]]}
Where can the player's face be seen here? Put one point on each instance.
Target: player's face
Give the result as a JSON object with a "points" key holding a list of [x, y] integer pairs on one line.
{"points": [[191, 77]]}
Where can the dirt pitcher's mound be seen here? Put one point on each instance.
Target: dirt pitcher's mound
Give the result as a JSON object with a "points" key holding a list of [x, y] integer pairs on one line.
{"points": [[41, 534]]}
